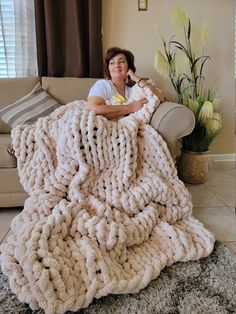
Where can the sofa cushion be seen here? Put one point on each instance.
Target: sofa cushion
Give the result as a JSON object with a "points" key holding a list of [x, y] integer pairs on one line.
{"points": [[12, 89], [7, 160], [67, 89], [38, 103]]}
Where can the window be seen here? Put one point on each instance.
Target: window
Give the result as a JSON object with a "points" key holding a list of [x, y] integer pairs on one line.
{"points": [[17, 38]]}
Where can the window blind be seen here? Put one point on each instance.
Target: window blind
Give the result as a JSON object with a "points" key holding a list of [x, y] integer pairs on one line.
{"points": [[18, 55], [7, 39]]}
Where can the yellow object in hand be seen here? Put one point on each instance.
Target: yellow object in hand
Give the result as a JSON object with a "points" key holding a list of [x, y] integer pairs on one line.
{"points": [[119, 99]]}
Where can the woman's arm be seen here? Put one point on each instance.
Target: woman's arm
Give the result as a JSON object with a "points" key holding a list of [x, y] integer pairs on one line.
{"points": [[99, 106], [142, 82]]}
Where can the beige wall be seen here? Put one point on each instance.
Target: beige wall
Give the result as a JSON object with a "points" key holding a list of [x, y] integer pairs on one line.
{"points": [[125, 26]]}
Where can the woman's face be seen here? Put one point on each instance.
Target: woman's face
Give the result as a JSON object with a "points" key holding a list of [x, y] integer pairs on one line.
{"points": [[118, 67]]}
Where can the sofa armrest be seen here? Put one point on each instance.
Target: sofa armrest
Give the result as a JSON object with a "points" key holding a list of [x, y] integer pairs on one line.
{"points": [[173, 121]]}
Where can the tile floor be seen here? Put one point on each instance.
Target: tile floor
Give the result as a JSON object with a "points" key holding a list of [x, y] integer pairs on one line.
{"points": [[214, 205]]}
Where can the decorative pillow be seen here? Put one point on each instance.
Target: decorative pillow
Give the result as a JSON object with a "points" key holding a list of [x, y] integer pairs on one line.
{"points": [[38, 103]]}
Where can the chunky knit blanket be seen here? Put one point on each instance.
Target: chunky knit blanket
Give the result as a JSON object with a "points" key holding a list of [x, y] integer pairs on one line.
{"points": [[106, 211]]}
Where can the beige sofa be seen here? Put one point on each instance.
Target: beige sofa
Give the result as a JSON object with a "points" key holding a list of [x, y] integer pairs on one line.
{"points": [[171, 120]]}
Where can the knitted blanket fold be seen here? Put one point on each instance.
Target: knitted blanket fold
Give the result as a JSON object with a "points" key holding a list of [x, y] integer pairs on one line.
{"points": [[106, 211]]}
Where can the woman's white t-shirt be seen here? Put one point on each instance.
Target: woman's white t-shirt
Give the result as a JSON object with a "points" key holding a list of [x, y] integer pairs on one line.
{"points": [[107, 90]]}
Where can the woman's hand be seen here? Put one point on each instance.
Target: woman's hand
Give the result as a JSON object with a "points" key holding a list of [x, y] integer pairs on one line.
{"points": [[155, 90], [132, 75], [138, 104]]}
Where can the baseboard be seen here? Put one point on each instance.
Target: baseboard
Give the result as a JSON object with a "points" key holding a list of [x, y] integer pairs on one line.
{"points": [[223, 157]]}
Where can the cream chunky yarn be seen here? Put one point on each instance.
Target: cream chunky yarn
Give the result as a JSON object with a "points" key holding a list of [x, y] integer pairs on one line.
{"points": [[106, 211]]}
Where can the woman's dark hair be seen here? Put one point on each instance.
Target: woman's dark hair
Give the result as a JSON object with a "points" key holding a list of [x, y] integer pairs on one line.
{"points": [[111, 53]]}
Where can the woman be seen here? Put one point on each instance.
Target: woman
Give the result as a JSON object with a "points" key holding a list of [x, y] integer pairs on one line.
{"points": [[104, 94]]}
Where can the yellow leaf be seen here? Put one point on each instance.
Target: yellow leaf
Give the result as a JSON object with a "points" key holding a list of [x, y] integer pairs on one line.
{"points": [[181, 63], [195, 40], [158, 31], [193, 105], [179, 19], [216, 103], [204, 34], [206, 111], [161, 64], [214, 123]]}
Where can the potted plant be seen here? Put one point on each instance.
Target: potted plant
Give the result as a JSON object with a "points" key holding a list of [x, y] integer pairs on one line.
{"points": [[183, 63]]}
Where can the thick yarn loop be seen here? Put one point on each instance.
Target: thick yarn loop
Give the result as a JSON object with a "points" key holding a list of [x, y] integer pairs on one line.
{"points": [[106, 211]]}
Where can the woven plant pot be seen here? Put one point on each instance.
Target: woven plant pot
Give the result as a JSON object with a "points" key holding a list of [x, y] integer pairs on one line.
{"points": [[193, 167]]}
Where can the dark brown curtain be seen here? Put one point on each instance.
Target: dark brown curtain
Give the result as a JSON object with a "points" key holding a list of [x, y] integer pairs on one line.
{"points": [[69, 39]]}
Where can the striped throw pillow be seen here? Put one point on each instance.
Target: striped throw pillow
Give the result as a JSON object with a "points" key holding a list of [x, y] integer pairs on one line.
{"points": [[38, 103]]}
